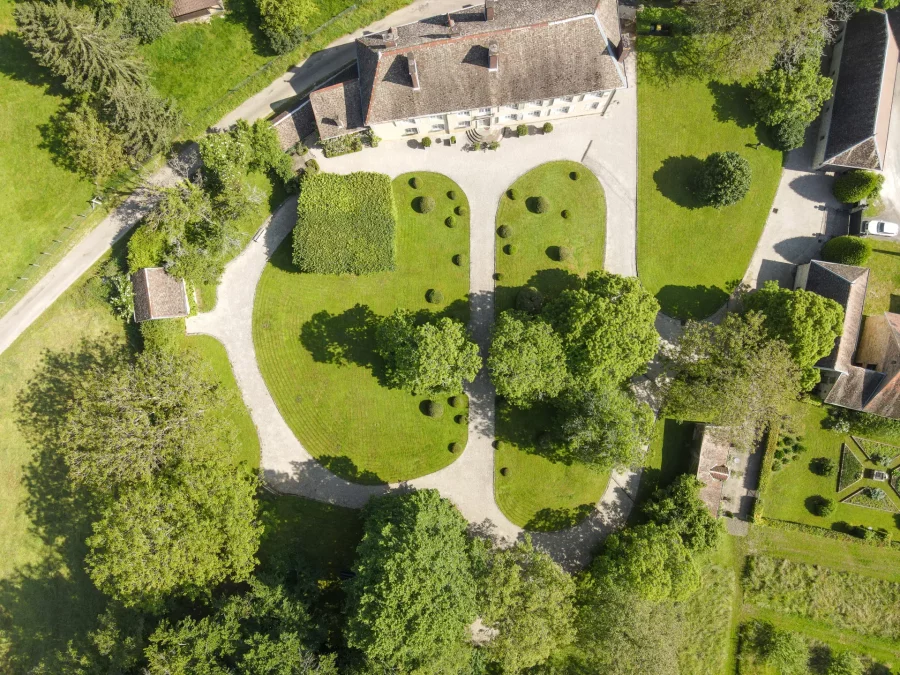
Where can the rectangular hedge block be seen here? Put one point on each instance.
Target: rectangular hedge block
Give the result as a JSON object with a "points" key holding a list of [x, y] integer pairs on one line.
{"points": [[345, 224]]}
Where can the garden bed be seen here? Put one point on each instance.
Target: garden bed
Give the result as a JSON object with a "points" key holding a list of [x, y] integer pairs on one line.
{"points": [[851, 468], [535, 492], [887, 453], [862, 498], [314, 338]]}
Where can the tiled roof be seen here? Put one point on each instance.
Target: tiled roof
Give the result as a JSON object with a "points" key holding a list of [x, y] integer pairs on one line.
{"points": [[854, 388], [337, 109], [295, 125], [859, 92], [846, 285], [183, 7], [547, 49], [712, 466], [158, 295]]}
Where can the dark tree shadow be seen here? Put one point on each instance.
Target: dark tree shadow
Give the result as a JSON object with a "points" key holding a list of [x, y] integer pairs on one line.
{"points": [[675, 178], [346, 468], [732, 104], [18, 63], [814, 503], [282, 258], [551, 520], [691, 302], [819, 658], [343, 338]]}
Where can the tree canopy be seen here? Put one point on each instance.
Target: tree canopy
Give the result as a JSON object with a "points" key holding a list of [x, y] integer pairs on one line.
{"points": [[283, 21], [430, 358], [857, 185], [724, 179], [413, 595], [807, 322], [847, 250], [607, 325], [732, 375], [526, 359], [679, 508], [528, 599], [783, 93]]}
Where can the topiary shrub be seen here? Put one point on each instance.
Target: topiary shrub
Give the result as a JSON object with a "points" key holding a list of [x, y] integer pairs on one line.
{"points": [[510, 249], [459, 401], [541, 205], [574, 175], [494, 145], [512, 193], [522, 130], [462, 418], [504, 231], [530, 300], [723, 180], [498, 276], [415, 183], [789, 134], [165, 335], [504, 471], [461, 210], [459, 259], [822, 506], [434, 296], [565, 214], [564, 254], [847, 250], [856, 185], [434, 409], [451, 194], [424, 204], [426, 142], [822, 466], [450, 221], [456, 448], [547, 127]]}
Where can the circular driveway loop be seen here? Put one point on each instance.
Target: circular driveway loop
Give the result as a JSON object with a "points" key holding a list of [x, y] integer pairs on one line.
{"points": [[605, 145]]}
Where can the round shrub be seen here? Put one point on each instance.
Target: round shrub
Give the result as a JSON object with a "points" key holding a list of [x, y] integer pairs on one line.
{"points": [[461, 210], [462, 418], [426, 142], [724, 179], [875, 493], [497, 276], [541, 205], [856, 185], [789, 134], [565, 214], [451, 194], [450, 221], [823, 466], [456, 448], [847, 250], [415, 183], [522, 130], [565, 254], [510, 249], [822, 506], [547, 127], [459, 401], [425, 204], [529, 299], [459, 259], [504, 231], [504, 471], [512, 193], [574, 175], [434, 296], [434, 408]]}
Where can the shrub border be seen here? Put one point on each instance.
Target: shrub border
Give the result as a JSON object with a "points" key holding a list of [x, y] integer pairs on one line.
{"points": [[790, 526], [765, 472]]}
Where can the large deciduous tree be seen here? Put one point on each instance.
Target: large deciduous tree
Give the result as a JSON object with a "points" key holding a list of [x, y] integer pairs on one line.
{"points": [[678, 507], [607, 327], [723, 180], [182, 534], [88, 55], [808, 323], [782, 93], [604, 426], [526, 359], [430, 358], [413, 595], [284, 21], [528, 599], [733, 375]]}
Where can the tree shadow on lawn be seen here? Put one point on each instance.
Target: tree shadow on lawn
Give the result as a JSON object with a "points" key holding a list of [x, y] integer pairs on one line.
{"points": [[345, 467], [531, 430], [550, 282], [732, 104], [691, 302], [343, 338], [551, 520], [675, 178]]}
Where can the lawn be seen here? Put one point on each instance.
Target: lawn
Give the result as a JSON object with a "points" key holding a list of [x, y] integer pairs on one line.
{"points": [[537, 493], [791, 491], [314, 340], [668, 456], [690, 256], [884, 277]]}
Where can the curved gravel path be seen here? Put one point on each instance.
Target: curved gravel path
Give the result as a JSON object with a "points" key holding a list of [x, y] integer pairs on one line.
{"points": [[607, 147]]}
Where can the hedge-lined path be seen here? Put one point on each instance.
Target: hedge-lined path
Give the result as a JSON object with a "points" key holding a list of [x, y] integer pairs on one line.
{"points": [[607, 146]]}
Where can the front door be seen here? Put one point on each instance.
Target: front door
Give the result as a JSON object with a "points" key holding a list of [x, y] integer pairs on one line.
{"points": [[483, 123]]}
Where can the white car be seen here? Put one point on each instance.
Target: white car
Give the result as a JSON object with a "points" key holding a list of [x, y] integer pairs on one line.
{"points": [[882, 227]]}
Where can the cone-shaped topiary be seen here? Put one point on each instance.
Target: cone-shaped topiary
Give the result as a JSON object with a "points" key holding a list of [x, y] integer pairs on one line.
{"points": [[451, 194], [415, 183], [450, 221], [565, 214], [460, 210]]}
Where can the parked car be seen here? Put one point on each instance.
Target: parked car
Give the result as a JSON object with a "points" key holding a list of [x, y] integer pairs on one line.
{"points": [[883, 228]]}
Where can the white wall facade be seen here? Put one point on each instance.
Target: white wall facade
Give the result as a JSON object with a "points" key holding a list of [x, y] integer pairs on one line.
{"points": [[457, 123]]}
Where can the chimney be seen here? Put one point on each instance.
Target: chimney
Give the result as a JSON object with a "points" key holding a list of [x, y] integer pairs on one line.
{"points": [[392, 38], [339, 122], [623, 49], [490, 7], [413, 71], [493, 56], [450, 21]]}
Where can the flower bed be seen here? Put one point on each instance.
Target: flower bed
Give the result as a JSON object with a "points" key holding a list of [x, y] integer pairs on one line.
{"points": [[851, 469], [860, 498], [887, 454]]}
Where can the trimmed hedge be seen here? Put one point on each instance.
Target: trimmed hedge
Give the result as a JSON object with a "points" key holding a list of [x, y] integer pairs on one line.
{"points": [[547, 127], [847, 250], [510, 249], [791, 526], [566, 214], [345, 224], [456, 448], [462, 418], [451, 195], [459, 259], [512, 193], [461, 210], [856, 185], [504, 231], [415, 183], [765, 473]]}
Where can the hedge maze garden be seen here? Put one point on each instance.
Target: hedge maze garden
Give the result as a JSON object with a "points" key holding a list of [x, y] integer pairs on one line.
{"points": [[314, 330]]}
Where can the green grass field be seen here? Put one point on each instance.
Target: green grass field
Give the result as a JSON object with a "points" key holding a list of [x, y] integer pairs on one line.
{"points": [[668, 456], [535, 492], [791, 491], [884, 277], [691, 256], [304, 324]]}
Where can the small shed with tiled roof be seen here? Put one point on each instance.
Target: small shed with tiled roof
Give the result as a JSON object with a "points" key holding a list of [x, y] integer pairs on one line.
{"points": [[158, 295], [711, 460], [188, 10]]}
